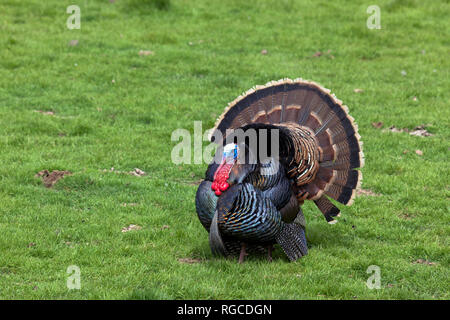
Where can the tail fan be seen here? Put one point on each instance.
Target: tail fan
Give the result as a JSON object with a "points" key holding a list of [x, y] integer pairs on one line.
{"points": [[322, 132]]}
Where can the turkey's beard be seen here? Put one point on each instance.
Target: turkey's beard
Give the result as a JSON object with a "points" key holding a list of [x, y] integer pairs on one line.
{"points": [[221, 176]]}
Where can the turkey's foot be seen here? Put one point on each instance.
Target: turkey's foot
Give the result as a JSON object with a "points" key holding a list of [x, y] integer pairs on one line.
{"points": [[269, 253], [243, 253]]}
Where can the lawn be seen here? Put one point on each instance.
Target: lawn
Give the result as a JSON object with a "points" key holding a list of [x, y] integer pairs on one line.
{"points": [[108, 103]]}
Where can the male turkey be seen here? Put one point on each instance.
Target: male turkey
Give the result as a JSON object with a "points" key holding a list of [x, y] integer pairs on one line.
{"points": [[252, 193]]}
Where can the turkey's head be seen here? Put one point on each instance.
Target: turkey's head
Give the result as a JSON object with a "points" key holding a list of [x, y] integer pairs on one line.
{"points": [[233, 169]]}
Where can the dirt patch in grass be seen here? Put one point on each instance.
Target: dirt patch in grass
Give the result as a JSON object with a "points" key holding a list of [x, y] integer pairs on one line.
{"points": [[50, 178]]}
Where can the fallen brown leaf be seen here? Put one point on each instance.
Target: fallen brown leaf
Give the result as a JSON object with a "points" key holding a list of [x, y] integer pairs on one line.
{"points": [[358, 90], [423, 261], [129, 204], [48, 113], [165, 227], [420, 131], [137, 172], [395, 129], [131, 227], [146, 52], [377, 125]]}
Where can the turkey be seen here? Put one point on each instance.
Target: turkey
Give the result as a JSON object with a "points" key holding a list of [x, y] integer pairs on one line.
{"points": [[278, 145]]}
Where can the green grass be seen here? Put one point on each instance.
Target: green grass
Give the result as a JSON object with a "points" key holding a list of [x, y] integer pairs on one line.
{"points": [[127, 124]]}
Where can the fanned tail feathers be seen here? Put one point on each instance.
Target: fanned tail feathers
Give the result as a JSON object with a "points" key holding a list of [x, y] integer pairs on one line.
{"points": [[306, 107]]}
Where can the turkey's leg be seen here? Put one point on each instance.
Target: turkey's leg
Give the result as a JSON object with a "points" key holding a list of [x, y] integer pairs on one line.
{"points": [[243, 253], [269, 252]]}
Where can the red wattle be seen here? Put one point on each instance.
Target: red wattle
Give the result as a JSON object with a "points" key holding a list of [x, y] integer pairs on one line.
{"points": [[224, 186], [221, 176]]}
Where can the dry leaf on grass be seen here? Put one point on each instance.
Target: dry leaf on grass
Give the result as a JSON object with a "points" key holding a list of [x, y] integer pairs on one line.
{"points": [[129, 204], [131, 227], [48, 113], [146, 52], [395, 129], [418, 131], [73, 43], [419, 152], [137, 172], [358, 90], [423, 261], [189, 260], [377, 125], [50, 178], [264, 52]]}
